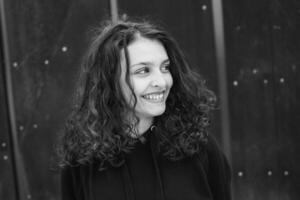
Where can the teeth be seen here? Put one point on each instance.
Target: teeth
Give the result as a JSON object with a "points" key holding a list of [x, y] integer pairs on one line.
{"points": [[154, 96]]}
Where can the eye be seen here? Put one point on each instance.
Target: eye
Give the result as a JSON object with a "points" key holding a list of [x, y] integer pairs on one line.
{"points": [[142, 70], [165, 68]]}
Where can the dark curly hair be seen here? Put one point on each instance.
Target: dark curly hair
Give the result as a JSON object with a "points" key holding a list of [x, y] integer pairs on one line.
{"points": [[96, 131]]}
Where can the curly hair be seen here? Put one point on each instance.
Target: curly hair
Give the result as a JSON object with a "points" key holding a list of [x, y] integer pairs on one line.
{"points": [[96, 131]]}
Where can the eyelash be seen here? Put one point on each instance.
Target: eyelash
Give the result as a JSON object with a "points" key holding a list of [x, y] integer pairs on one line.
{"points": [[145, 70], [166, 67], [142, 70]]}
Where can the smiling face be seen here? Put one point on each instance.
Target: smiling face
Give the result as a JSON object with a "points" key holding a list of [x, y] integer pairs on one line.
{"points": [[149, 77]]}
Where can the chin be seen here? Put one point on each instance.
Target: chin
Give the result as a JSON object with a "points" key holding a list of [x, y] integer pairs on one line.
{"points": [[152, 113], [157, 112]]}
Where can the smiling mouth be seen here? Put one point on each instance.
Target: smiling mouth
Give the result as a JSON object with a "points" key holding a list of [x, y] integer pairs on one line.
{"points": [[154, 96]]}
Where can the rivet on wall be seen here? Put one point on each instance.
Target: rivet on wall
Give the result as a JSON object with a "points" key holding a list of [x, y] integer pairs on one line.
{"points": [[28, 196], [3, 144], [266, 81], [294, 67], [35, 125], [235, 83], [240, 174], [238, 28], [21, 128], [5, 157], [64, 49], [254, 71], [204, 7], [269, 173], [281, 80], [286, 173], [46, 62], [15, 64]]}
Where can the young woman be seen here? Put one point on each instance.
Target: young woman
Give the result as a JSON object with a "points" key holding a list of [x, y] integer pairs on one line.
{"points": [[140, 129]]}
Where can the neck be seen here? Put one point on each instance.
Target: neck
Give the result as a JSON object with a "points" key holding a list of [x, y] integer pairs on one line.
{"points": [[144, 125]]}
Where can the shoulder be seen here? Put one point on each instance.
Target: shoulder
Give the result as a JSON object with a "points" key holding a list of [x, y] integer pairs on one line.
{"points": [[213, 147], [216, 157], [219, 172]]}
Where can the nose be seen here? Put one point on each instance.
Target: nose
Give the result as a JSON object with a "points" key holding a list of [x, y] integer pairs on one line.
{"points": [[159, 80]]}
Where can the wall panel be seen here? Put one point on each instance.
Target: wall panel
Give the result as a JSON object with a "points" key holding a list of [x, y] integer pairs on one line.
{"points": [[262, 58], [286, 44], [46, 40], [251, 97]]}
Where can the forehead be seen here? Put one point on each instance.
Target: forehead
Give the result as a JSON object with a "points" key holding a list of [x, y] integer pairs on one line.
{"points": [[146, 50]]}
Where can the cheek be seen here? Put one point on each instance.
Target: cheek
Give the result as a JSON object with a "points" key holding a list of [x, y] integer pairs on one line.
{"points": [[170, 81]]}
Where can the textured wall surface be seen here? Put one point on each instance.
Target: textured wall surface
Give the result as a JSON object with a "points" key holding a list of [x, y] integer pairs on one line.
{"points": [[46, 42], [7, 183], [263, 49]]}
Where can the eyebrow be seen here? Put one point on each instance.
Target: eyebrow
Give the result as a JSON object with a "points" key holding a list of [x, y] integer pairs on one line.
{"points": [[149, 63]]}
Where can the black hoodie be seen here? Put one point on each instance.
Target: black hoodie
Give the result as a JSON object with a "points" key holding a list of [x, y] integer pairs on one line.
{"points": [[146, 175]]}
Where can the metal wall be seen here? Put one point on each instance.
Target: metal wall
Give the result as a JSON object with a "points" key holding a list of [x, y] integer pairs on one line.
{"points": [[7, 177], [47, 38], [45, 41], [263, 48]]}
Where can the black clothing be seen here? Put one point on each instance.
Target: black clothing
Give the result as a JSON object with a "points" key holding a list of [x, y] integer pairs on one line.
{"points": [[145, 175]]}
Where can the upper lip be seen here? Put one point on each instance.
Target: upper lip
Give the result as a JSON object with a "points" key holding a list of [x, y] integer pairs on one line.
{"points": [[157, 92]]}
